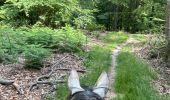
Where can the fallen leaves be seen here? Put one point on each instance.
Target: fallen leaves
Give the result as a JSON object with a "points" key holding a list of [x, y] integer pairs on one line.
{"points": [[24, 77]]}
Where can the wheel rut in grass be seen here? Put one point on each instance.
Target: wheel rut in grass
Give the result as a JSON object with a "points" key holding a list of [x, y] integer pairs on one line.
{"points": [[112, 72]]}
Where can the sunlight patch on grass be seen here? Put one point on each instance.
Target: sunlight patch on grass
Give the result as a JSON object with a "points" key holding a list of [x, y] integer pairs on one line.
{"points": [[113, 39]]}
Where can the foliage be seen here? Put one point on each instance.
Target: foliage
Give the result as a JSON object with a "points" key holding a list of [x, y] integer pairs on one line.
{"points": [[11, 43], [66, 39], [72, 40], [40, 38], [96, 27], [53, 13], [14, 42], [128, 15], [34, 56], [131, 15]]}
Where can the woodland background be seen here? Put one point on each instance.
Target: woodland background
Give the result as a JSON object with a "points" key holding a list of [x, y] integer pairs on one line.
{"points": [[33, 30]]}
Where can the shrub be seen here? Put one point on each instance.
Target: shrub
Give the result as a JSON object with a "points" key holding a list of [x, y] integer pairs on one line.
{"points": [[72, 40], [40, 38], [66, 39], [94, 26], [34, 56], [157, 45], [12, 43], [15, 42], [53, 13]]}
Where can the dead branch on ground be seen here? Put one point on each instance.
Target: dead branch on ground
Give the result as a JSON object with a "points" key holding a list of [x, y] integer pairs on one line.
{"points": [[12, 82], [68, 69], [39, 79]]}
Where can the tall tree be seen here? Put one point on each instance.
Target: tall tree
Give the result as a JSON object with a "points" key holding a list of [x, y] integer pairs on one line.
{"points": [[168, 33]]}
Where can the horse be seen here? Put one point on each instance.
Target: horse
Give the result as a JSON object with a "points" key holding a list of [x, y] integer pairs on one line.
{"points": [[98, 92]]}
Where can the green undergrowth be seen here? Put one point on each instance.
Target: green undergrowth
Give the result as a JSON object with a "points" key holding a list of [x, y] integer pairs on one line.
{"points": [[97, 60], [133, 79], [35, 43]]}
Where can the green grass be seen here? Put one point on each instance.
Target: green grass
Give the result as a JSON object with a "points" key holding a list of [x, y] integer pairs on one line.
{"points": [[98, 59], [113, 39], [62, 92], [134, 76], [133, 79]]}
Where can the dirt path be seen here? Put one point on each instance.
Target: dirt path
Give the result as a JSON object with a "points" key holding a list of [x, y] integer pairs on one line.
{"points": [[111, 94]]}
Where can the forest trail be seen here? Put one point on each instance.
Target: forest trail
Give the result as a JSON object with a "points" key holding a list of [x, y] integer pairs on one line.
{"points": [[112, 72]]}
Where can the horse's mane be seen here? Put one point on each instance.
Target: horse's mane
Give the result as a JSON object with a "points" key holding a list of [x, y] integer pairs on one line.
{"points": [[85, 95]]}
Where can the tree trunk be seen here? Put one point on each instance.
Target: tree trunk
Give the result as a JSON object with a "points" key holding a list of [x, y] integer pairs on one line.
{"points": [[168, 33]]}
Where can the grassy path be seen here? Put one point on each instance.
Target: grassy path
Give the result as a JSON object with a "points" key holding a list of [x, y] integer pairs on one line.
{"points": [[112, 71], [111, 75], [97, 60], [130, 76], [134, 77]]}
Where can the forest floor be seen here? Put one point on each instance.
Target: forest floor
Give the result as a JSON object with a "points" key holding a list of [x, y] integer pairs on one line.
{"points": [[110, 44], [26, 77]]}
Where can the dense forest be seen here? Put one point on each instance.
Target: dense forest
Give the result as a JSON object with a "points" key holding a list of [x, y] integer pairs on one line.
{"points": [[37, 35], [128, 15]]}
